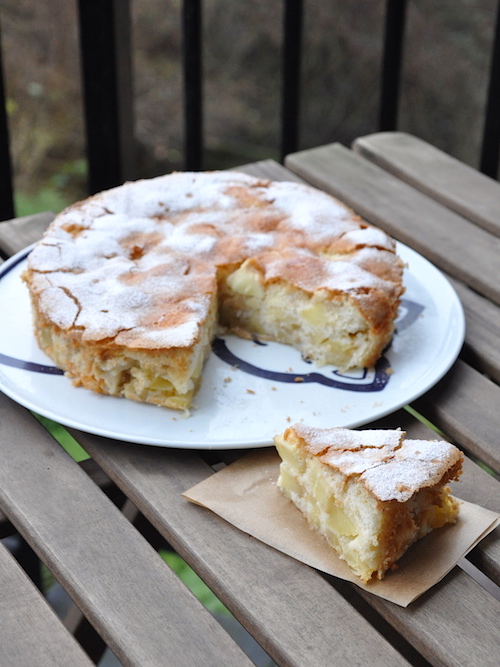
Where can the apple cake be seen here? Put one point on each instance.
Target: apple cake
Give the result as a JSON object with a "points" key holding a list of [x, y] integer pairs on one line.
{"points": [[370, 493], [129, 287]]}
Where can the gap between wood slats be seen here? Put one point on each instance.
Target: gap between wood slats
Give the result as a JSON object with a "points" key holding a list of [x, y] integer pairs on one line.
{"points": [[480, 577]]}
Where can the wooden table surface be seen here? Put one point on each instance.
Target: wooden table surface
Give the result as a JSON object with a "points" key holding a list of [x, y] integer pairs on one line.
{"points": [[107, 562]]}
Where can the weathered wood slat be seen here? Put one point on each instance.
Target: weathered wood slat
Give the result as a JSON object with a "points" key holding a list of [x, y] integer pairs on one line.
{"points": [[271, 170], [482, 330], [444, 178], [95, 473], [258, 584], [453, 624], [487, 557], [465, 405], [137, 604], [22, 232], [453, 243], [30, 632]]}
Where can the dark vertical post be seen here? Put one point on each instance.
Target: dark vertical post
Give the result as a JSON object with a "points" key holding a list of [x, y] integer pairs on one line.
{"points": [[6, 179], [491, 133], [193, 84], [392, 60], [108, 91], [290, 97]]}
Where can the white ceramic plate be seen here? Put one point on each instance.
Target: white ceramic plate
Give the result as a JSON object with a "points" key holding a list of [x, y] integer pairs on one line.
{"points": [[250, 390]]}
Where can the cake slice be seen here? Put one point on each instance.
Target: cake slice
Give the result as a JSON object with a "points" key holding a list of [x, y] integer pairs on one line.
{"points": [[370, 493]]}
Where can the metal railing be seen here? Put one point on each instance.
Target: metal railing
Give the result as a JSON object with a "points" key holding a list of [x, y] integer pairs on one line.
{"points": [[106, 57]]}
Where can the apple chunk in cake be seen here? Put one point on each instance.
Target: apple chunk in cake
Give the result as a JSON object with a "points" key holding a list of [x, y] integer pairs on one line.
{"points": [[332, 311], [370, 493]]}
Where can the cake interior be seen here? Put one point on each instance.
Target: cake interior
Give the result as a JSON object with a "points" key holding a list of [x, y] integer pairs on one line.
{"points": [[326, 328]]}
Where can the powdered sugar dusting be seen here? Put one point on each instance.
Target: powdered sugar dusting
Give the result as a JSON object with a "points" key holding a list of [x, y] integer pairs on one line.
{"points": [[347, 439], [408, 471], [369, 237], [127, 263], [322, 216], [176, 336], [310, 272], [390, 466], [57, 301]]}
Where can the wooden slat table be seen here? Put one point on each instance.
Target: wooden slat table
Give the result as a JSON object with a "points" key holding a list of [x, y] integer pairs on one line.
{"points": [[298, 616]]}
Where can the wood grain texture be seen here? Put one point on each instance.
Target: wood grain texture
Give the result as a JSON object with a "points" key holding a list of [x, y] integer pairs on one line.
{"points": [[462, 629], [271, 170], [464, 404], [482, 332], [30, 632], [458, 186], [94, 472], [137, 604], [278, 600], [453, 243], [487, 557]]}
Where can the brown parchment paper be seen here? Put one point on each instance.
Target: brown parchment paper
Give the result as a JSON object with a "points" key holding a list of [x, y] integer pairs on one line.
{"points": [[246, 495]]}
